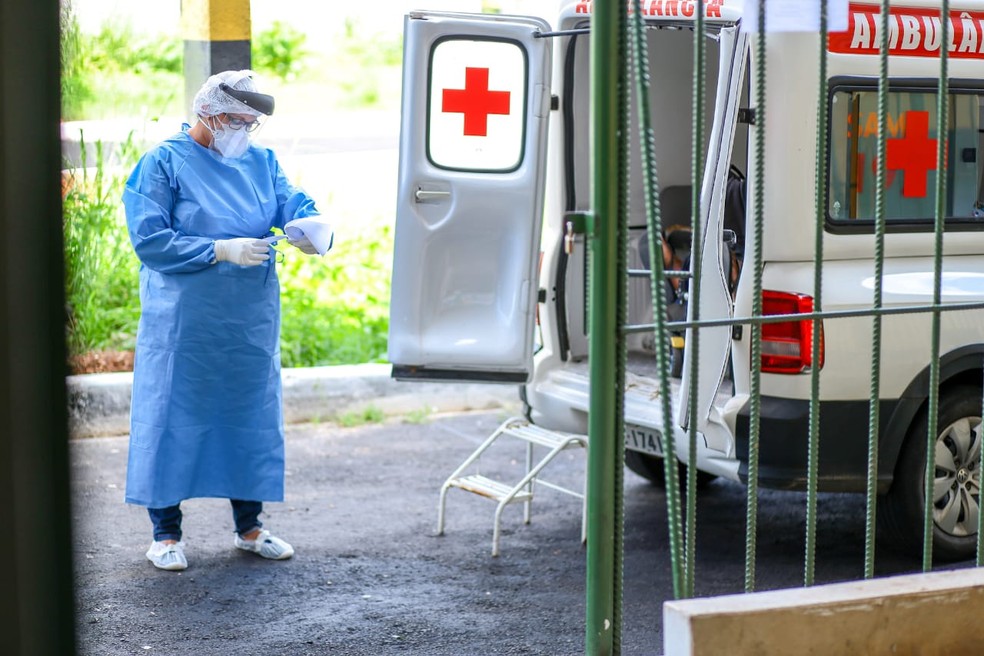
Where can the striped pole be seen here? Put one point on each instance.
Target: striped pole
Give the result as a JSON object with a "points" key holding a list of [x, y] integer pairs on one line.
{"points": [[216, 38]]}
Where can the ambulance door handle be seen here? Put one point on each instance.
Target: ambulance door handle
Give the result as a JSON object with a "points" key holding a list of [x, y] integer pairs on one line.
{"points": [[424, 195]]}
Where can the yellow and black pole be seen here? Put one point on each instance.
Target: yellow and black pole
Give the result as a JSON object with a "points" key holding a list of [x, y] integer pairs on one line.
{"points": [[216, 38]]}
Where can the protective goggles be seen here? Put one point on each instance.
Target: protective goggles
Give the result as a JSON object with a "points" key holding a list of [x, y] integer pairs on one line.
{"points": [[239, 124]]}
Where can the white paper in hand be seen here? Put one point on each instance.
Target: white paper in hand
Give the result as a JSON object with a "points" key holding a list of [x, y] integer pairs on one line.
{"points": [[315, 228]]}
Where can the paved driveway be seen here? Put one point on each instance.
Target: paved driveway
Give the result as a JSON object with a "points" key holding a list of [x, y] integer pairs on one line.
{"points": [[369, 577]]}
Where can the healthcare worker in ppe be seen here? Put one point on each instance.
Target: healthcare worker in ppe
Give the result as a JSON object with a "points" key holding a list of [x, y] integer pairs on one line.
{"points": [[206, 417]]}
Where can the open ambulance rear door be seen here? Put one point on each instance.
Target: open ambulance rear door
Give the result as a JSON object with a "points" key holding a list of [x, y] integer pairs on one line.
{"points": [[715, 300], [476, 100]]}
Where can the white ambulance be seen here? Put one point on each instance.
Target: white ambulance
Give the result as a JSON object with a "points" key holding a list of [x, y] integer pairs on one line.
{"points": [[494, 152]]}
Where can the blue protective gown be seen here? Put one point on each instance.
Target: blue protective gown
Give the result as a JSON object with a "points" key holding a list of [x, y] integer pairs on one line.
{"points": [[206, 417]]}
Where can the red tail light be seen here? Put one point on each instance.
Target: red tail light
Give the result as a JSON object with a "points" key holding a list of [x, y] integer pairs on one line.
{"points": [[787, 346]]}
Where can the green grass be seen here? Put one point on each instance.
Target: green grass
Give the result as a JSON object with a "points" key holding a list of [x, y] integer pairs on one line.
{"points": [[368, 415], [418, 416]]}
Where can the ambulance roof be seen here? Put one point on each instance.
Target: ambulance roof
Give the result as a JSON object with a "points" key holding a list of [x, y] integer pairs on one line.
{"points": [[676, 10], [731, 10]]}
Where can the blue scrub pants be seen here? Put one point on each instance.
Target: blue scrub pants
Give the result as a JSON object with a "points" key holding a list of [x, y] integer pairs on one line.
{"points": [[167, 521]]}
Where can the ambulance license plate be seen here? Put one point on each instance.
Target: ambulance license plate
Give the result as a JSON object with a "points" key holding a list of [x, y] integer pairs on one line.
{"points": [[647, 440]]}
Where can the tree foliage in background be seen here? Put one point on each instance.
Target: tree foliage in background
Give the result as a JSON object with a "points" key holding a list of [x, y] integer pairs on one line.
{"points": [[75, 85], [363, 57], [118, 71], [279, 50], [117, 48]]}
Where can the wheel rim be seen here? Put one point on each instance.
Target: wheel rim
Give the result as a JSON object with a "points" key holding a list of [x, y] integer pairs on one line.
{"points": [[957, 482]]}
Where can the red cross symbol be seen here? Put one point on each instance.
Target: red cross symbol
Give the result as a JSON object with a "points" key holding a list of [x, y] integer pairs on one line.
{"points": [[476, 102], [914, 154]]}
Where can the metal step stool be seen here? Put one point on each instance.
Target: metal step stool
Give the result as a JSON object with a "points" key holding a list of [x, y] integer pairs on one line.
{"points": [[504, 493]]}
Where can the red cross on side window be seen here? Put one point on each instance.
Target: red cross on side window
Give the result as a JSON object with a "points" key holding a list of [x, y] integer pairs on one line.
{"points": [[476, 102], [914, 154]]}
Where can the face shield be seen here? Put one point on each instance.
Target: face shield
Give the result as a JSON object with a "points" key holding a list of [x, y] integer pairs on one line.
{"points": [[259, 102]]}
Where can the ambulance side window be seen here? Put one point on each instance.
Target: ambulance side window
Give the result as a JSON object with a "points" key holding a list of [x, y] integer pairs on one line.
{"points": [[477, 122], [910, 159]]}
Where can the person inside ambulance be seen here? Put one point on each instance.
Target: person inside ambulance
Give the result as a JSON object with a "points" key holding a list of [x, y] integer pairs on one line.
{"points": [[206, 416], [676, 242]]}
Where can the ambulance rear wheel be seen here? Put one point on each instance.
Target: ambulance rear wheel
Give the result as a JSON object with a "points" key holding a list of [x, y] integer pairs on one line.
{"points": [[652, 469], [957, 481]]}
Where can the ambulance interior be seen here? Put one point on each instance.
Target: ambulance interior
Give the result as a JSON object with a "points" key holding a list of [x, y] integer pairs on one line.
{"points": [[671, 104]]}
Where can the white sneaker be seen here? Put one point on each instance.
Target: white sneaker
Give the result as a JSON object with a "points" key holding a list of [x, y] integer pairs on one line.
{"points": [[266, 545], [167, 556]]}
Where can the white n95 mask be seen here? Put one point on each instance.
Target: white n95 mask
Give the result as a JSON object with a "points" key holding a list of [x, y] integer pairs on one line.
{"points": [[230, 143]]}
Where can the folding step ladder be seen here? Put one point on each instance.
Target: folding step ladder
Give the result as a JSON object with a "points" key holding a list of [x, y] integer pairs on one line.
{"points": [[522, 491]]}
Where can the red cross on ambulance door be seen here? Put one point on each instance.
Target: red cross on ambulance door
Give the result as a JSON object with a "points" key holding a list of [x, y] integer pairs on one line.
{"points": [[476, 101]]}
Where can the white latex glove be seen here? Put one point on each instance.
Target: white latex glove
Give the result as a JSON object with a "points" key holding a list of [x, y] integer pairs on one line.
{"points": [[244, 251], [304, 244]]}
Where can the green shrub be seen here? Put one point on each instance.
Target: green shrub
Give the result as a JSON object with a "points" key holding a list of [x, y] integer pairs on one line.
{"points": [[100, 266], [335, 310], [279, 50]]}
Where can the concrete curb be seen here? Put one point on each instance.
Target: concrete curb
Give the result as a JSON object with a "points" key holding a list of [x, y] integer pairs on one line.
{"points": [[933, 613], [99, 404]]}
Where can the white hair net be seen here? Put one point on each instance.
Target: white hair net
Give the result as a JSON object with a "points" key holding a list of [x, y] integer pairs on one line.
{"points": [[211, 100]]}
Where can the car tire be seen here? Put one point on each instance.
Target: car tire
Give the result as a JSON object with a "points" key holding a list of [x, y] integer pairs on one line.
{"points": [[652, 469], [958, 475]]}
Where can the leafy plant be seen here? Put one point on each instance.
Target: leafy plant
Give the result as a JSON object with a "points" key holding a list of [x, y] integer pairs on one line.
{"points": [[335, 310], [279, 50], [100, 266]]}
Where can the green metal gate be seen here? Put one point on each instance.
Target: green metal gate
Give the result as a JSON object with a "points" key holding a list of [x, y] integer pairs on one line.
{"points": [[618, 59]]}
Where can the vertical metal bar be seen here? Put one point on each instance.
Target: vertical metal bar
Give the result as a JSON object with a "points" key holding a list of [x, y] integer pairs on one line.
{"points": [[621, 316], [813, 455], [755, 387], [693, 343], [650, 182], [942, 132], [873, 399], [602, 241]]}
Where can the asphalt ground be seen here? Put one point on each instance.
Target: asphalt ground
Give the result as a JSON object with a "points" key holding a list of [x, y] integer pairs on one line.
{"points": [[369, 575]]}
